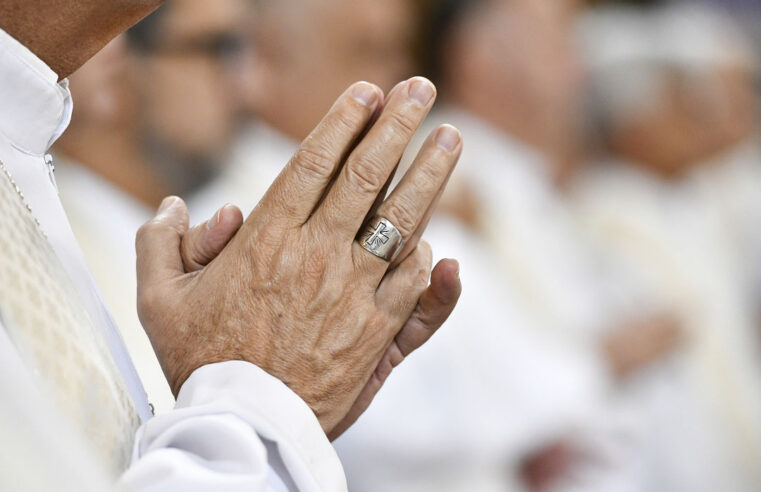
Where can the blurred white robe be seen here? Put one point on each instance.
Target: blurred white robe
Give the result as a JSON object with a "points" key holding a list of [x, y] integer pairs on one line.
{"points": [[488, 389], [702, 412], [733, 181]]}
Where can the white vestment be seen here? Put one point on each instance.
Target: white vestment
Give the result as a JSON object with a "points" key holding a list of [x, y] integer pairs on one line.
{"points": [[106, 234], [538, 242], [733, 181], [568, 281], [234, 427], [677, 243]]}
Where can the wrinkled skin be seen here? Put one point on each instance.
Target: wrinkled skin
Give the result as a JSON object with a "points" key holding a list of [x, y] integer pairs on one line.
{"points": [[290, 290]]}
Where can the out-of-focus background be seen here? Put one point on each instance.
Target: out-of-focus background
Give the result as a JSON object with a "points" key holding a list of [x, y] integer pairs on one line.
{"points": [[606, 214]]}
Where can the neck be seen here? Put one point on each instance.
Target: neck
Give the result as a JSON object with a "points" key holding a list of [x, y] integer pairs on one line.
{"points": [[67, 33]]}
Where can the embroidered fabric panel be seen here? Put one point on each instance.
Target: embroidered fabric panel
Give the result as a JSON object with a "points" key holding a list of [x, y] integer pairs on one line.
{"points": [[56, 338]]}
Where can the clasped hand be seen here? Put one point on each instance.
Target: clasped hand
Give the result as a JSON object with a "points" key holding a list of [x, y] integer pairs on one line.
{"points": [[290, 289]]}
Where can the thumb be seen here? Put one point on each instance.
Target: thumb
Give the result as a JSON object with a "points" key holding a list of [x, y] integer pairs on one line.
{"points": [[202, 243], [434, 307], [158, 243]]}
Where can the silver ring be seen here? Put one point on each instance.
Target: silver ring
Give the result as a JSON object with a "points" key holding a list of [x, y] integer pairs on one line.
{"points": [[381, 238]]}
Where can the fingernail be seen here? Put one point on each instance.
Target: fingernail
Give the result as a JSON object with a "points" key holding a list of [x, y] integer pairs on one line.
{"points": [[167, 203], [422, 91], [214, 222], [365, 94], [448, 138]]}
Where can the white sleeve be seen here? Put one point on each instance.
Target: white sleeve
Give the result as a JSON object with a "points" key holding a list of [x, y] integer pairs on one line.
{"points": [[234, 428]]}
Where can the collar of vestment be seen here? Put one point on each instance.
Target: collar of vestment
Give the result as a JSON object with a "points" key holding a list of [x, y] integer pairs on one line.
{"points": [[36, 108]]}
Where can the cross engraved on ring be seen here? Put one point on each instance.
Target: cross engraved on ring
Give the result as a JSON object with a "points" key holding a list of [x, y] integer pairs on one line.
{"points": [[378, 236]]}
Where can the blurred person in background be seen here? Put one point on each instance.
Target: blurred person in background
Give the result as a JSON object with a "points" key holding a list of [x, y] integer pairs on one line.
{"points": [[512, 189], [509, 75], [673, 201], [329, 43], [522, 104], [746, 13], [155, 116], [552, 387]]}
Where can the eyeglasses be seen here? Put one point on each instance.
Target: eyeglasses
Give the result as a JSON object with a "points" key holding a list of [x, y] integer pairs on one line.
{"points": [[223, 47]]}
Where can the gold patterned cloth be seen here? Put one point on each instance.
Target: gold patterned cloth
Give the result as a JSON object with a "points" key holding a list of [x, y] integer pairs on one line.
{"points": [[55, 337]]}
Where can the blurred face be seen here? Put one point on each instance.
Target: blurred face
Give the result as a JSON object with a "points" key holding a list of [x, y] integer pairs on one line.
{"points": [[526, 64], [315, 49], [697, 117], [734, 113], [184, 85]]}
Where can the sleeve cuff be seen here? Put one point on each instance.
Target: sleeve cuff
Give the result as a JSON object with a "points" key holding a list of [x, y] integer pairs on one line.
{"points": [[275, 412]]}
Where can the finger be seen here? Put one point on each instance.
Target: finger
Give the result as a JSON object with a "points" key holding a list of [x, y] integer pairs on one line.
{"points": [[434, 307], [381, 197], [422, 185], [202, 243], [414, 200], [373, 120], [370, 164], [299, 187], [158, 243], [401, 289], [384, 191], [413, 240]]}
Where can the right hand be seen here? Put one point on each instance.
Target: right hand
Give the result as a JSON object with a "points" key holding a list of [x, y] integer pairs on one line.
{"points": [[292, 292]]}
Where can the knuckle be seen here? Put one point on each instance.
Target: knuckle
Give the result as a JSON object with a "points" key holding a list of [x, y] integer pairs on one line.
{"points": [[421, 273], [403, 123], [426, 251], [429, 174], [348, 119], [314, 160], [315, 265], [401, 213], [367, 173], [421, 279]]}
